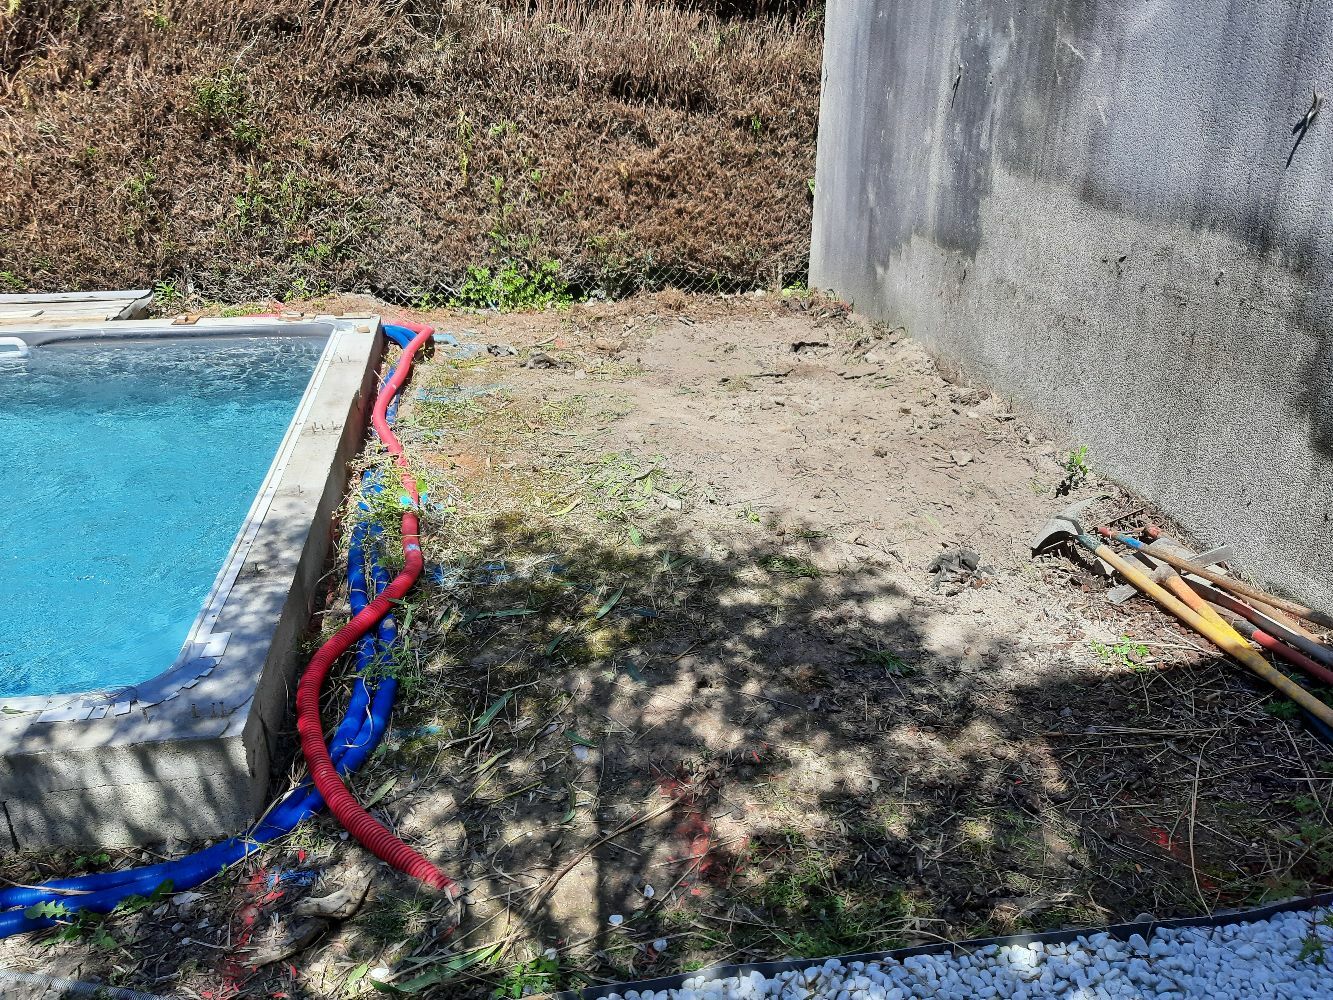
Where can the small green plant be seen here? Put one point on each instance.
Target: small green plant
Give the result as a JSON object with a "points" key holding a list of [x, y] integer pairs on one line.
{"points": [[395, 918], [749, 514], [540, 975], [1306, 805], [424, 301], [790, 566], [887, 661], [797, 289], [222, 103], [463, 129], [512, 287], [166, 293], [1281, 708], [813, 915], [300, 288], [139, 188], [244, 309], [1314, 948], [1126, 653], [1318, 840], [10, 282], [1076, 470], [400, 660], [85, 925], [137, 904]]}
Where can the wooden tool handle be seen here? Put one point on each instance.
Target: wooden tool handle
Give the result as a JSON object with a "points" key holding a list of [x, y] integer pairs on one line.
{"points": [[1223, 637]]}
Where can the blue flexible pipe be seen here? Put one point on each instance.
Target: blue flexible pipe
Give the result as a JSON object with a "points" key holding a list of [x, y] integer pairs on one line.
{"points": [[356, 737], [352, 743]]}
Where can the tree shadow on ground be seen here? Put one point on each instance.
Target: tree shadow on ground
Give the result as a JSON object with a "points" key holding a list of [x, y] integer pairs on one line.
{"points": [[717, 745], [843, 766]]}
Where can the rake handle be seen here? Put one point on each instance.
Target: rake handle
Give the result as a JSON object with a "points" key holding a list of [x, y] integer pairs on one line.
{"points": [[1226, 582], [1221, 636]]}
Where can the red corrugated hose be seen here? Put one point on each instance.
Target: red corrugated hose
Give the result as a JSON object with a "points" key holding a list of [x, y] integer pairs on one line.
{"points": [[370, 832]]}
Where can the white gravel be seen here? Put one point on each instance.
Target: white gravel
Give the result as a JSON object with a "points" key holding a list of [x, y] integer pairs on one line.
{"points": [[1281, 957]]}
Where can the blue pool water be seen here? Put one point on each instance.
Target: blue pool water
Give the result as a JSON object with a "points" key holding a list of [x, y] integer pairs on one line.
{"points": [[128, 471]]}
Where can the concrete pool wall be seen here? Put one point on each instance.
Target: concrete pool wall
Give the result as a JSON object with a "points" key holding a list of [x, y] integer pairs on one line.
{"points": [[188, 752]]}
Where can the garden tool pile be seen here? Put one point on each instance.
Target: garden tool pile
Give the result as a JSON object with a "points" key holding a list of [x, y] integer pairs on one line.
{"points": [[1241, 620]]}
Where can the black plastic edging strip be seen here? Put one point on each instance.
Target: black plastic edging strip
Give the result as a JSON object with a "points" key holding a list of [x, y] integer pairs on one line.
{"points": [[1121, 932]]}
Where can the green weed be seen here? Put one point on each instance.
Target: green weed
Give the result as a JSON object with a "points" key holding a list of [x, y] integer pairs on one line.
{"points": [[222, 103], [791, 566], [11, 282], [1306, 805], [1076, 469], [396, 918], [512, 287], [88, 862], [1314, 948], [300, 288], [540, 975], [140, 190], [166, 293], [85, 925], [627, 481], [1317, 839], [1126, 653], [244, 309], [464, 132], [815, 913], [888, 662]]}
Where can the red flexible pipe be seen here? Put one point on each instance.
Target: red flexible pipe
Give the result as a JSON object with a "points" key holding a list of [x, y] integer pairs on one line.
{"points": [[369, 832], [1292, 656]]}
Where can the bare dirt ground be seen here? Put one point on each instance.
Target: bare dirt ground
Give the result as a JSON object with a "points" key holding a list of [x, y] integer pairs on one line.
{"points": [[682, 687]]}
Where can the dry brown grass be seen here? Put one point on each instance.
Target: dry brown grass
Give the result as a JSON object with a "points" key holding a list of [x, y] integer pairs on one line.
{"points": [[259, 147]]}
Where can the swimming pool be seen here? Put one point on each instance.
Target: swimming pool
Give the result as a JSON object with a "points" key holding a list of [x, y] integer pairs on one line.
{"points": [[135, 464], [167, 515]]}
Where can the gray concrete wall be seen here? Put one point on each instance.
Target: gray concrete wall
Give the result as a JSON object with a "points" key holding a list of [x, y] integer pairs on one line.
{"points": [[1085, 204]]}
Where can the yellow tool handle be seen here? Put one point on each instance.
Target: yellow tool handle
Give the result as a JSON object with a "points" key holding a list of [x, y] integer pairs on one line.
{"points": [[1243, 589], [1223, 637], [1177, 585]]}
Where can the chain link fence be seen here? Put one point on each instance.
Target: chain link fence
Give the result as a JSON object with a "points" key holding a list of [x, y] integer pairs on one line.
{"points": [[488, 288], [503, 286], [504, 155]]}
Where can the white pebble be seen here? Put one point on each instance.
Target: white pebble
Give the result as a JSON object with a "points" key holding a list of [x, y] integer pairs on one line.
{"points": [[1237, 962]]}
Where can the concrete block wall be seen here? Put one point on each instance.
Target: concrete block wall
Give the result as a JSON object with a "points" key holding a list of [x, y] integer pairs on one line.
{"points": [[1088, 206]]}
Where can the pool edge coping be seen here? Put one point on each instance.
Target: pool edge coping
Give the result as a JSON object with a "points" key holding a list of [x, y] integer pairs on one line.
{"points": [[218, 738]]}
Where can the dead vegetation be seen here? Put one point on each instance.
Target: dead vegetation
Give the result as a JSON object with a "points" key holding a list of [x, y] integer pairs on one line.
{"points": [[245, 149]]}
